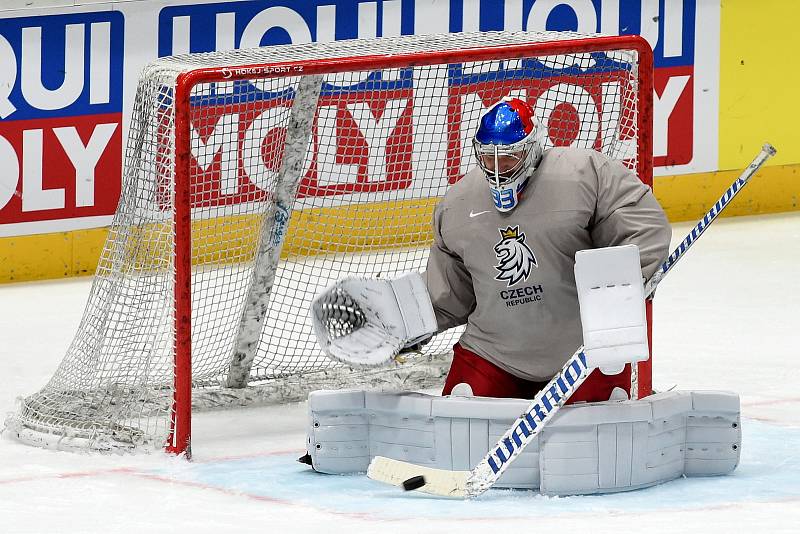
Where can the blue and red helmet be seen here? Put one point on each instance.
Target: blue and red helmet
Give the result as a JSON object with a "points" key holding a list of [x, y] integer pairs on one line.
{"points": [[508, 146], [506, 123]]}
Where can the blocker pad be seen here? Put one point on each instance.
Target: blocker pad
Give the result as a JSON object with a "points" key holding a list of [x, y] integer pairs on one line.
{"points": [[611, 298]]}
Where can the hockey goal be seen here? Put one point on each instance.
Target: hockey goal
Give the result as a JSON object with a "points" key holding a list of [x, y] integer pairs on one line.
{"points": [[254, 178]]}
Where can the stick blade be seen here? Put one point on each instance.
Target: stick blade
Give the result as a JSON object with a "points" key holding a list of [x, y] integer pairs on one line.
{"points": [[411, 477]]}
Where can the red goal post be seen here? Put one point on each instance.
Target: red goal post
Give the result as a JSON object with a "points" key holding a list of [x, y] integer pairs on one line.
{"points": [[200, 227]]}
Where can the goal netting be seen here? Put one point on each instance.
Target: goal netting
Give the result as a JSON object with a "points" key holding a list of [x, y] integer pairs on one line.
{"points": [[255, 178]]}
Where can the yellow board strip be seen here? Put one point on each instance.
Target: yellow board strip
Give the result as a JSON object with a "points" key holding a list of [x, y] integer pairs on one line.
{"points": [[688, 197], [232, 240], [46, 256], [362, 228]]}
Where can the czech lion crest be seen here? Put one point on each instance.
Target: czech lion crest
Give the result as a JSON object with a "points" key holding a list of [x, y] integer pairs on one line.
{"points": [[516, 259]]}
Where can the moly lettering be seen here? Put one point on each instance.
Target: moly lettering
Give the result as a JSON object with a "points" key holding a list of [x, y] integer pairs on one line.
{"points": [[384, 140], [37, 145]]}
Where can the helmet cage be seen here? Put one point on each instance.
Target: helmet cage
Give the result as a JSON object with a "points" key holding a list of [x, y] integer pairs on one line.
{"points": [[521, 151]]}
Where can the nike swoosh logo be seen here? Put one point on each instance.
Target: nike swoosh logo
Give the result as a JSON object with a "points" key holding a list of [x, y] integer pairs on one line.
{"points": [[473, 214]]}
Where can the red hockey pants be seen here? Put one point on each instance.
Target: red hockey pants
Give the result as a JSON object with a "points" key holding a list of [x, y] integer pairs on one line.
{"points": [[489, 380]]}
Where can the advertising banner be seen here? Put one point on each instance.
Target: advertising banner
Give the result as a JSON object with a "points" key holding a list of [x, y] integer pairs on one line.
{"points": [[61, 110], [69, 76]]}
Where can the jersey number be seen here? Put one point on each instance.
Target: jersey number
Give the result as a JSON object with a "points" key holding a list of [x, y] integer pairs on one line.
{"points": [[503, 199]]}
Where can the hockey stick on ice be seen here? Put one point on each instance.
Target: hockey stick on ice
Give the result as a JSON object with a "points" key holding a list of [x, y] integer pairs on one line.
{"points": [[547, 402]]}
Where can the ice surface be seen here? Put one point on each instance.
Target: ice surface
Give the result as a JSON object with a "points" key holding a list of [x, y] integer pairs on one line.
{"points": [[727, 318]]}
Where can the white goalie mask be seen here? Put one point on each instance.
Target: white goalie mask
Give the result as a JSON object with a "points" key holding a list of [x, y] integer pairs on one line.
{"points": [[508, 146]]}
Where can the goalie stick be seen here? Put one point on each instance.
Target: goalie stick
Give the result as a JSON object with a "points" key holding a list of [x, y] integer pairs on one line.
{"points": [[548, 401]]}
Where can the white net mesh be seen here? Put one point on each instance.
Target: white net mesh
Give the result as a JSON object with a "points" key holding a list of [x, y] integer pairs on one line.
{"points": [[383, 146]]}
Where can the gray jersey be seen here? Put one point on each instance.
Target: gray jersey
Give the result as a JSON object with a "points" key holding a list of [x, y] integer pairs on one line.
{"points": [[509, 276]]}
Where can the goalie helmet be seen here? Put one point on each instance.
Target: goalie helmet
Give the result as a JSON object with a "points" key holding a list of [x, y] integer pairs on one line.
{"points": [[508, 146]]}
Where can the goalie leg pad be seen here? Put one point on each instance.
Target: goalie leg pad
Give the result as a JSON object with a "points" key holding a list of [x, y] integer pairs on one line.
{"points": [[587, 448]]}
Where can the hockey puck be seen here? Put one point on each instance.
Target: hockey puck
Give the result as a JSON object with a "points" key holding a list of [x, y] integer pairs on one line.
{"points": [[414, 483]]}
